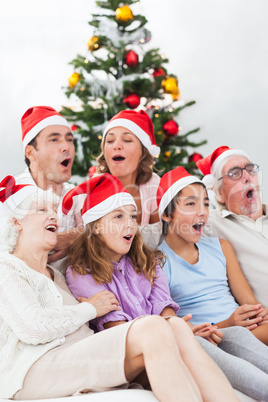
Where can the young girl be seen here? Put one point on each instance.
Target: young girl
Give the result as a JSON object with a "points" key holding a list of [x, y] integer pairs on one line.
{"points": [[128, 151], [200, 271], [110, 255]]}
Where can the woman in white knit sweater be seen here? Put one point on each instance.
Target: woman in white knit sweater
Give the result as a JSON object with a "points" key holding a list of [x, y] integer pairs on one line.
{"points": [[46, 348]]}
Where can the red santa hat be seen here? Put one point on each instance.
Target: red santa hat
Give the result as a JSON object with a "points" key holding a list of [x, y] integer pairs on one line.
{"points": [[36, 119], [140, 124], [208, 165], [104, 193], [12, 194], [170, 184]]}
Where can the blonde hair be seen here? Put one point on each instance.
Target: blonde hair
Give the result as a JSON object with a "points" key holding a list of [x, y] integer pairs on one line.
{"points": [[88, 255], [145, 166]]}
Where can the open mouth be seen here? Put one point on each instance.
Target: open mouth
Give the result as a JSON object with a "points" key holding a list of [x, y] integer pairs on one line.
{"points": [[128, 237], [198, 227], [250, 194], [118, 158], [66, 162], [51, 228]]}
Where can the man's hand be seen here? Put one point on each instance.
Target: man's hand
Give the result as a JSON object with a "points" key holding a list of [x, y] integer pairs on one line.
{"points": [[63, 240], [103, 301]]}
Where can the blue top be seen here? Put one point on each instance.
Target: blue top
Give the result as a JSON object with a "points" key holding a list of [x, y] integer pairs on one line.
{"points": [[200, 289]]}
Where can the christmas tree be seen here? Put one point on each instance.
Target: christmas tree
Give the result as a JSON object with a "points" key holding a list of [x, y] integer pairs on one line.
{"points": [[119, 72]]}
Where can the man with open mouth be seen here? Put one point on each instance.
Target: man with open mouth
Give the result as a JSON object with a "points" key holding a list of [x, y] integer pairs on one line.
{"points": [[49, 151], [239, 215]]}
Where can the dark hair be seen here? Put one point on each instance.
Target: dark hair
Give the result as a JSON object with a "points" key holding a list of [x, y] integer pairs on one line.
{"points": [[170, 209], [145, 168], [34, 144]]}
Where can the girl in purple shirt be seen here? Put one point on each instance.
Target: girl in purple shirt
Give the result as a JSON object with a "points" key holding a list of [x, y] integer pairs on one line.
{"points": [[110, 257]]}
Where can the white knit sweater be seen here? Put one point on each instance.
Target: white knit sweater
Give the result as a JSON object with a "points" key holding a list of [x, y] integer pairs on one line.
{"points": [[33, 320]]}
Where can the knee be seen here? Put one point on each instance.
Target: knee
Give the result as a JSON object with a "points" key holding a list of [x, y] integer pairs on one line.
{"points": [[152, 327], [234, 332], [178, 324]]}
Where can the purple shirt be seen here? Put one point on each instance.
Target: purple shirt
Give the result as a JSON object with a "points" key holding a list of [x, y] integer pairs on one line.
{"points": [[133, 291]]}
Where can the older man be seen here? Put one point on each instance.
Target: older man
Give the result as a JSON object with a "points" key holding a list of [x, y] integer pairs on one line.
{"points": [[239, 216], [49, 154]]}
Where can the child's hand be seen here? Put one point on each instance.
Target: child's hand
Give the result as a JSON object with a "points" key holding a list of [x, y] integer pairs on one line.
{"points": [[208, 331], [103, 301], [264, 315], [187, 318], [247, 315]]}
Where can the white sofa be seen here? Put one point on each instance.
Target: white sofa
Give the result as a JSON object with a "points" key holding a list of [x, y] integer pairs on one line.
{"points": [[129, 395]]}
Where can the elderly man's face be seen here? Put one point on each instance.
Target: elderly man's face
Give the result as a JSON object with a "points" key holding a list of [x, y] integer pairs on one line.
{"points": [[240, 196]]}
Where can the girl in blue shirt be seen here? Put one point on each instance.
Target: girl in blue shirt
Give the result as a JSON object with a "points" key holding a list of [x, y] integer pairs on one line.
{"points": [[205, 280]]}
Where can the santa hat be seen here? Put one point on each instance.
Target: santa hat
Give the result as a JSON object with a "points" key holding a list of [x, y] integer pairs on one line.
{"points": [[104, 193], [12, 194], [170, 184], [208, 165], [140, 124], [36, 119]]}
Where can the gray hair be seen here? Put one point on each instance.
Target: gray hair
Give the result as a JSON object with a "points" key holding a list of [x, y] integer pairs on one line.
{"points": [[218, 183], [9, 233]]}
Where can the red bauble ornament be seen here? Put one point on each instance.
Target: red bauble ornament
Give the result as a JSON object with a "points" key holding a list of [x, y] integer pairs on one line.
{"points": [[171, 128], [91, 171], [131, 58], [195, 157], [158, 72], [132, 101], [74, 127]]}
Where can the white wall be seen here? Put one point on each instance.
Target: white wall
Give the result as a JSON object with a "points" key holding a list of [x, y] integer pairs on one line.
{"points": [[217, 48]]}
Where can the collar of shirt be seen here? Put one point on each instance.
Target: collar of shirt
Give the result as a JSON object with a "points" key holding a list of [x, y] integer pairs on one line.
{"points": [[121, 266]]}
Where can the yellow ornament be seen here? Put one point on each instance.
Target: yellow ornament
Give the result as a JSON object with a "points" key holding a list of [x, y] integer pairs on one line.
{"points": [[170, 86], [93, 43], [123, 14], [73, 79], [167, 154]]}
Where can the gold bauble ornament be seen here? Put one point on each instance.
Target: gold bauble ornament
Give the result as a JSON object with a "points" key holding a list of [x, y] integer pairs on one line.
{"points": [[93, 43], [171, 86], [124, 13], [73, 79]]}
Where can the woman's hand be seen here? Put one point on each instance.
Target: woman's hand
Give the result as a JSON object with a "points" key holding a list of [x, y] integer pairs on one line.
{"points": [[103, 301], [247, 315]]}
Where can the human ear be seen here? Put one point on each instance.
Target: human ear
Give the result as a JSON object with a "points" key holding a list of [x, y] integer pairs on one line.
{"points": [[30, 152], [17, 223], [165, 217], [96, 229], [219, 196]]}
